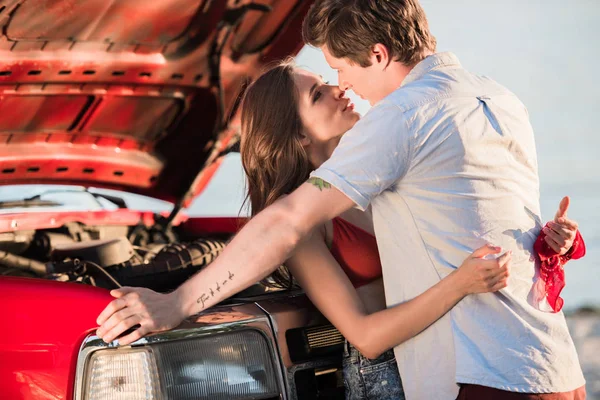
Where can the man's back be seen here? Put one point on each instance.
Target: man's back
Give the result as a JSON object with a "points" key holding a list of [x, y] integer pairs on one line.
{"points": [[453, 166]]}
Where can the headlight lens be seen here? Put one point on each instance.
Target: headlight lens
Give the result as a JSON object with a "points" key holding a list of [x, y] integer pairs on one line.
{"points": [[236, 365], [125, 375]]}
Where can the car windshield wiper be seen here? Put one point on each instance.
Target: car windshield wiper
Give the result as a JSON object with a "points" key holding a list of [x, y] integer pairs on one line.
{"points": [[37, 201], [32, 202], [119, 202]]}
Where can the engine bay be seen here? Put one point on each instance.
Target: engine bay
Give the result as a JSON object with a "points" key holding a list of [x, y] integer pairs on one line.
{"points": [[111, 256]]}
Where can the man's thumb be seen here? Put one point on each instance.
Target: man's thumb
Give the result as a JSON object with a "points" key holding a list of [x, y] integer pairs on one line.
{"points": [[562, 209]]}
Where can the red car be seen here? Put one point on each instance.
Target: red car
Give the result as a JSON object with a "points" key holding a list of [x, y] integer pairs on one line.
{"points": [[140, 97]]}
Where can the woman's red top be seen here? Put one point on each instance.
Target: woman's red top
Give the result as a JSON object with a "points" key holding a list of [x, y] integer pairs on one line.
{"points": [[356, 251]]}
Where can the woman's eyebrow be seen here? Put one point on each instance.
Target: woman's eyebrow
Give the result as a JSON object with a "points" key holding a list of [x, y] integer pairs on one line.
{"points": [[314, 86]]}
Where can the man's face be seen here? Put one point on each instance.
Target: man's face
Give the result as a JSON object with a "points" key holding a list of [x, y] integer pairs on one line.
{"points": [[364, 81]]}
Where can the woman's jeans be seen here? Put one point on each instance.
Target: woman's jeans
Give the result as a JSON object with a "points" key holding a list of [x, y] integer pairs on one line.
{"points": [[367, 379]]}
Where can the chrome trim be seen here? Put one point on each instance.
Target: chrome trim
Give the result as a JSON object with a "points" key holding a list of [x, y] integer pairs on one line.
{"points": [[287, 311], [221, 319], [292, 311]]}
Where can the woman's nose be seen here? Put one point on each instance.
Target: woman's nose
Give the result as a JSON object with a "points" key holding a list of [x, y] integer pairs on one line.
{"points": [[338, 92]]}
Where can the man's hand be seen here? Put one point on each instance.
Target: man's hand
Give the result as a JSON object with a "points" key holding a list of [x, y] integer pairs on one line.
{"points": [[152, 311], [561, 232]]}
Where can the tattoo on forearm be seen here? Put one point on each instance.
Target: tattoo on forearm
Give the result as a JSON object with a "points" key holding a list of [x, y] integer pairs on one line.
{"points": [[202, 299], [205, 297], [320, 183]]}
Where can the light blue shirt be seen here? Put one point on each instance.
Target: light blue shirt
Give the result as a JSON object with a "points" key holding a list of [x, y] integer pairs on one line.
{"points": [[448, 163]]}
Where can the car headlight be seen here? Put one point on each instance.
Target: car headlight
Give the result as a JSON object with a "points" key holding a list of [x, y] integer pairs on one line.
{"points": [[234, 365], [128, 374]]}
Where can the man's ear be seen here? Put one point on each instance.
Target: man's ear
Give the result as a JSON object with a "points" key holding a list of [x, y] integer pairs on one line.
{"points": [[380, 55]]}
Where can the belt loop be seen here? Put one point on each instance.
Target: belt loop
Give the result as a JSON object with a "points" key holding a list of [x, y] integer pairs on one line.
{"points": [[347, 347]]}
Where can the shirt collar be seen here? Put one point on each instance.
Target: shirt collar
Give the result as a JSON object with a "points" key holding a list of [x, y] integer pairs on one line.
{"points": [[430, 63]]}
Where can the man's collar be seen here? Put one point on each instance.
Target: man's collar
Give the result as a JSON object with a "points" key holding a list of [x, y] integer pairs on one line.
{"points": [[428, 64]]}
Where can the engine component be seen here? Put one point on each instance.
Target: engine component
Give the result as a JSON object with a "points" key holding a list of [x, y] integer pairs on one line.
{"points": [[19, 263], [44, 242], [171, 266], [198, 253], [102, 252], [16, 242]]}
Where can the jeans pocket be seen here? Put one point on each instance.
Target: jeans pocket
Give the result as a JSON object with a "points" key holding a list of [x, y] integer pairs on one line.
{"points": [[382, 381]]}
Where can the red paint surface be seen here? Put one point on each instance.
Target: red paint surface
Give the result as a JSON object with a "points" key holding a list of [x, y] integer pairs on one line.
{"points": [[47, 220], [77, 78], [43, 326]]}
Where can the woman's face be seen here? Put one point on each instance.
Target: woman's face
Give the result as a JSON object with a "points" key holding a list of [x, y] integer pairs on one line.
{"points": [[325, 112]]}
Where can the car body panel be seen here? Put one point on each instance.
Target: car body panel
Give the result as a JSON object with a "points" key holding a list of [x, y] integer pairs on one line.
{"points": [[44, 323], [53, 219]]}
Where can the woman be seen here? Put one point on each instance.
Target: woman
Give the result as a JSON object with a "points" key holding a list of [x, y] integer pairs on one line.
{"points": [[291, 123]]}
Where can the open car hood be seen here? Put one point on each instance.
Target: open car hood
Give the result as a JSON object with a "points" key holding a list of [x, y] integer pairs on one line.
{"points": [[134, 95]]}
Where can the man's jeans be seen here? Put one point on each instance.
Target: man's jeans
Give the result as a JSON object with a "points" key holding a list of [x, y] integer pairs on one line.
{"points": [[367, 379]]}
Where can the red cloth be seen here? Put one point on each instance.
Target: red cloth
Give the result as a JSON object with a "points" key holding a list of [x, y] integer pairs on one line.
{"points": [[552, 274], [356, 251]]}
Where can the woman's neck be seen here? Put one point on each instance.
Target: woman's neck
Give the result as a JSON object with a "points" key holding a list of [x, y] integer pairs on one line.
{"points": [[321, 152]]}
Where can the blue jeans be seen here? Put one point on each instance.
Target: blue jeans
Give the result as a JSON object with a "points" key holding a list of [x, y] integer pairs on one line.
{"points": [[366, 379]]}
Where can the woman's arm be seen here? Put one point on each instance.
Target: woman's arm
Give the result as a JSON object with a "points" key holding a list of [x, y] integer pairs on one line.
{"points": [[261, 245], [330, 290]]}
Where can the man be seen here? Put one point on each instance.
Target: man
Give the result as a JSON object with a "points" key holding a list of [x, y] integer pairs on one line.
{"points": [[447, 160]]}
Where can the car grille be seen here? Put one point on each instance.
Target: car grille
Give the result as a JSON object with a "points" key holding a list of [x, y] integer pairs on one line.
{"points": [[323, 336]]}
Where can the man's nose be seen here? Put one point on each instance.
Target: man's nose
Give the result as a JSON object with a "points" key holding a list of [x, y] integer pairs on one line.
{"points": [[338, 92]]}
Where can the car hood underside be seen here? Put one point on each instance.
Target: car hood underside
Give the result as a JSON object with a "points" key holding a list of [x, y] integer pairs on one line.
{"points": [[133, 95]]}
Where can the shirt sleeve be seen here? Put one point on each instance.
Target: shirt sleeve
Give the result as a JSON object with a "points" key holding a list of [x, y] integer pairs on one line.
{"points": [[371, 157]]}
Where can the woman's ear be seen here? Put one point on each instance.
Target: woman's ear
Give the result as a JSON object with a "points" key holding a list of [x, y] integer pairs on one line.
{"points": [[304, 140]]}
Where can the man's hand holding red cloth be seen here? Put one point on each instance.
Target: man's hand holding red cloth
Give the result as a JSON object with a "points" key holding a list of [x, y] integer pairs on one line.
{"points": [[558, 242]]}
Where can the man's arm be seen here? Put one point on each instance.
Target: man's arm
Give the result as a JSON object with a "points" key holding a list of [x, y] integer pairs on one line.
{"points": [[264, 243]]}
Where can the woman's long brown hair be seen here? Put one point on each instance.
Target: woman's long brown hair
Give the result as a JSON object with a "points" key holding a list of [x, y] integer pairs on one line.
{"points": [[272, 156]]}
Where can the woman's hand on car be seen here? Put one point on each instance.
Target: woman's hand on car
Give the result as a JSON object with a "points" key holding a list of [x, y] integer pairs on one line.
{"points": [[149, 310], [480, 275]]}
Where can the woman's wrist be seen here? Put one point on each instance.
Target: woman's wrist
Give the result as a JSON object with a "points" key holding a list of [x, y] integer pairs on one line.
{"points": [[459, 286], [180, 304]]}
